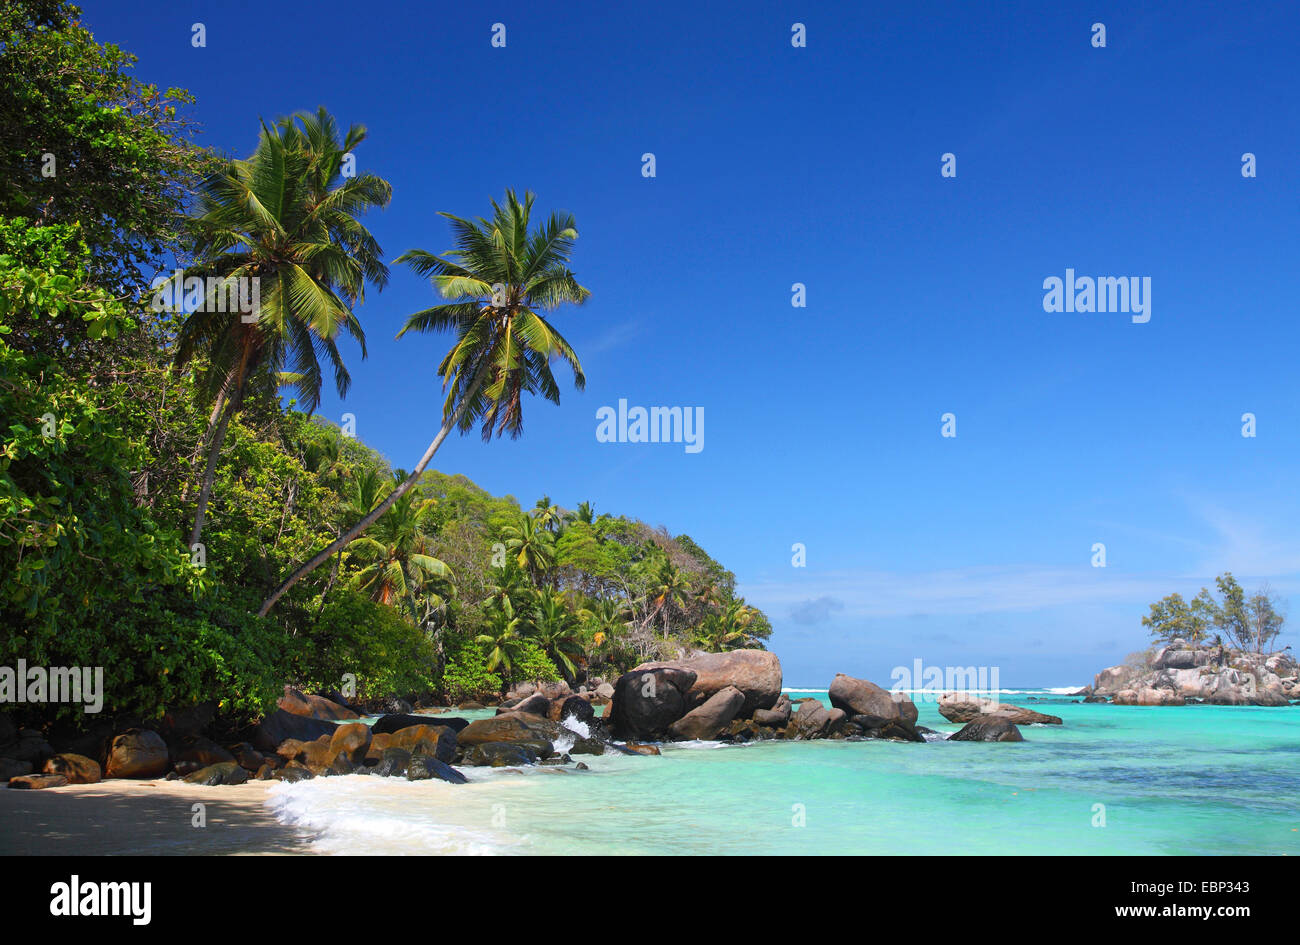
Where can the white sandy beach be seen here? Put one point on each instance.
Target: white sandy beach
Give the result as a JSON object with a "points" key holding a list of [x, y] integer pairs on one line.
{"points": [[120, 817]]}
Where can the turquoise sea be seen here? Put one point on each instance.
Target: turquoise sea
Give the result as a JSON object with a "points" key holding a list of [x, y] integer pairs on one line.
{"points": [[1111, 780]]}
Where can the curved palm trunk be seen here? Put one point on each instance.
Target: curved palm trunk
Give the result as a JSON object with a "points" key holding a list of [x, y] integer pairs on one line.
{"points": [[209, 474], [213, 419], [370, 517], [227, 403]]}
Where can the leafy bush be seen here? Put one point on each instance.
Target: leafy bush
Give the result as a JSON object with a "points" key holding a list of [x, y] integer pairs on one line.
{"points": [[385, 652]]}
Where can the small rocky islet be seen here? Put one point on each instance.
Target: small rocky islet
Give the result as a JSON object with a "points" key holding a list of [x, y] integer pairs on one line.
{"points": [[732, 697], [1187, 673]]}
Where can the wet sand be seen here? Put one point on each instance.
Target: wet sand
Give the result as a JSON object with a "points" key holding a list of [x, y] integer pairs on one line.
{"points": [[115, 818]]}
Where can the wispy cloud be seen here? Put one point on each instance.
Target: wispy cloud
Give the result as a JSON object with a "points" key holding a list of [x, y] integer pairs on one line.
{"points": [[815, 611], [1253, 549], [1246, 546], [613, 336]]}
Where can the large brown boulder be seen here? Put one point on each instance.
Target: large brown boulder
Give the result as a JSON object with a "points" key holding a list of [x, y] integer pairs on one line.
{"points": [[536, 704], [294, 771], [353, 741], [756, 673], [226, 772], [436, 740], [860, 697], [1113, 678], [901, 730], [388, 724], [316, 755], [37, 782], [573, 707], [988, 729], [776, 716], [962, 708], [313, 707], [810, 720], [193, 752], [281, 725], [248, 757], [707, 722], [138, 753], [78, 769], [511, 727], [647, 701]]}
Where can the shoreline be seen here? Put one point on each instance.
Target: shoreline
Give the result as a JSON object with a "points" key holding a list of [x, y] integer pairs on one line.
{"points": [[145, 818]]}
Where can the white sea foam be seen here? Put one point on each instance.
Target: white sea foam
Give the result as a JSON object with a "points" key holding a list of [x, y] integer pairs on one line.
{"points": [[386, 816], [577, 726]]}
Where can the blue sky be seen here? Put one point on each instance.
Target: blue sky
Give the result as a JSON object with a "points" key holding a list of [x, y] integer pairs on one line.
{"points": [[821, 165]]}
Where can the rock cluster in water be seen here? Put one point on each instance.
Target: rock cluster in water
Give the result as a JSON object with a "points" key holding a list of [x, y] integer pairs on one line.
{"points": [[729, 697], [737, 697], [1182, 673]]}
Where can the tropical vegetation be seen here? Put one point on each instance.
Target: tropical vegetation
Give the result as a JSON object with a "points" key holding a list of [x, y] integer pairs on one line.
{"points": [[172, 509]]}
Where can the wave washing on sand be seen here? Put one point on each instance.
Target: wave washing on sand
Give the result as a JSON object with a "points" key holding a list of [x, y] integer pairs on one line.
{"points": [[392, 816], [384, 817]]}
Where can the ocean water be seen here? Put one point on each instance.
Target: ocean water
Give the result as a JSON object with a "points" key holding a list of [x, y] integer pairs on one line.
{"points": [[1111, 780]]}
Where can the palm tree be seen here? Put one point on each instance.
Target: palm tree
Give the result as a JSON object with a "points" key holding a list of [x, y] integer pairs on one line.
{"points": [[503, 639], [511, 585], [288, 220], [604, 619], [531, 545], [584, 513], [669, 588], [556, 631], [394, 557], [724, 631], [359, 494], [497, 281]]}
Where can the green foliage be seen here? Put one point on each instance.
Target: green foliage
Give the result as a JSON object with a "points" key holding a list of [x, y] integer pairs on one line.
{"points": [[1173, 617], [500, 281], [107, 415], [83, 142], [467, 675], [1247, 623], [383, 651]]}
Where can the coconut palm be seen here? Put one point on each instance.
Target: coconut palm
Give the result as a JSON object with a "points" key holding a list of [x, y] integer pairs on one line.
{"points": [[359, 494], [669, 588], [555, 629], [510, 584], [532, 547], [725, 630], [394, 557], [504, 640], [604, 621], [286, 220], [498, 282]]}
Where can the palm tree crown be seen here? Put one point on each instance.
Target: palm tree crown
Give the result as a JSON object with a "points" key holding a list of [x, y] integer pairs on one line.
{"points": [[500, 279]]}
